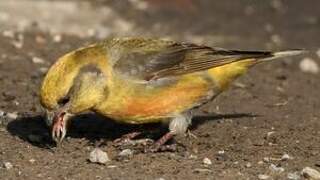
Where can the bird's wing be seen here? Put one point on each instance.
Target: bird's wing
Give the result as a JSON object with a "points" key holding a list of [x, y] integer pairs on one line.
{"points": [[149, 59]]}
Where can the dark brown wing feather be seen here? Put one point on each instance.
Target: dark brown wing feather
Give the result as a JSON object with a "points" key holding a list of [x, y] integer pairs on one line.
{"points": [[173, 59]]}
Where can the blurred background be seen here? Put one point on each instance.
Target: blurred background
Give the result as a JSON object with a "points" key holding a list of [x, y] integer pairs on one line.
{"points": [[256, 24], [278, 143]]}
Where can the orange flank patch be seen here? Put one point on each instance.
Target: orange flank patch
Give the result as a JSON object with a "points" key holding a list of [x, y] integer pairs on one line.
{"points": [[165, 102], [151, 105]]}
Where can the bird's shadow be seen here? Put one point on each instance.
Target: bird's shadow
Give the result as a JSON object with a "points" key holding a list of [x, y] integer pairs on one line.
{"points": [[32, 128]]}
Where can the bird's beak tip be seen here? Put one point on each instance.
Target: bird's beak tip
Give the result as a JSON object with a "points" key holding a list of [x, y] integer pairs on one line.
{"points": [[58, 131]]}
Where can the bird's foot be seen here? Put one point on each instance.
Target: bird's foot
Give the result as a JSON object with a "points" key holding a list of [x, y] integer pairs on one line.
{"points": [[159, 145], [127, 140]]}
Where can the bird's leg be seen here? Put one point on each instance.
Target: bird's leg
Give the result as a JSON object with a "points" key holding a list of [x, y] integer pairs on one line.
{"points": [[178, 125], [127, 139]]}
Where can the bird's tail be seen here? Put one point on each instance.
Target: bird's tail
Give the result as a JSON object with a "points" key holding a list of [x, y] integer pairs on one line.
{"points": [[286, 53]]}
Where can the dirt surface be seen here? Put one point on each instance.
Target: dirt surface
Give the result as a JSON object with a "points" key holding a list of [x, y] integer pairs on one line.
{"points": [[271, 111]]}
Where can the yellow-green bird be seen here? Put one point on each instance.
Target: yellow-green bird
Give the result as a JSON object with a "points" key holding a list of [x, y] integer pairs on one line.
{"points": [[139, 80]]}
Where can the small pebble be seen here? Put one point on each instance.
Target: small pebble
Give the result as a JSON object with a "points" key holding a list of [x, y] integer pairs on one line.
{"points": [[98, 156], [2, 113], [57, 38], [7, 33], [43, 69], [310, 173], [192, 156], [318, 53], [294, 176], [112, 166], [8, 165], [285, 157], [263, 176], [32, 161], [266, 159], [160, 178], [198, 170], [270, 133], [37, 60], [13, 115], [248, 165], [276, 169], [40, 39], [207, 161], [308, 65], [17, 44], [126, 153]]}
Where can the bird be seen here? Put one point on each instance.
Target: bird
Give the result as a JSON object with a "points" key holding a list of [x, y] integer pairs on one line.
{"points": [[137, 80]]}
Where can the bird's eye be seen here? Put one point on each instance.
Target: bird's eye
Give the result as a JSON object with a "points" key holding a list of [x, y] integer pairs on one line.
{"points": [[63, 101]]}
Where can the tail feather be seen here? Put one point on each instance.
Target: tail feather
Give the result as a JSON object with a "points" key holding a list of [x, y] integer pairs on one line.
{"points": [[286, 53]]}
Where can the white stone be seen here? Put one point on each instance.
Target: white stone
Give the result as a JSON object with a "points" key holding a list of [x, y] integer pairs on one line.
{"points": [[266, 159], [276, 169], [263, 176], [192, 156], [8, 165], [248, 165], [285, 157], [37, 60], [112, 166], [2, 113], [126, 152], [318, 52], [32, 161], [310, 173], [308, 65], [270, 133], [13, 115], [293, 176], [17, 44], [57, 38], [43, 69], [7, 33], [207, 161], [98, 156]]}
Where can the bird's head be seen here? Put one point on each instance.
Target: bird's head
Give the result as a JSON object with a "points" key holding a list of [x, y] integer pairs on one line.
{"points": [[74, 84]]}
